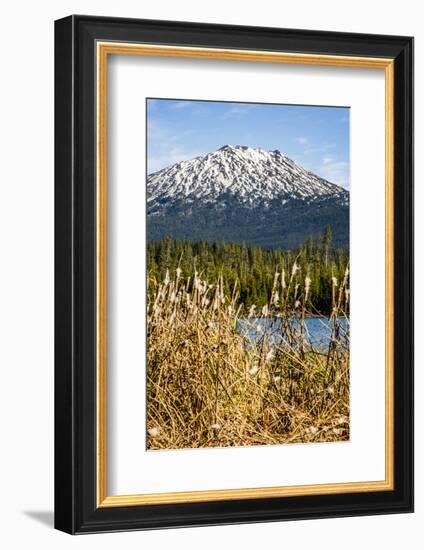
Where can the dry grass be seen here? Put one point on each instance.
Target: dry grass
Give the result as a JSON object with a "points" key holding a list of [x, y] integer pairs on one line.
{"points": [[211, 384]]}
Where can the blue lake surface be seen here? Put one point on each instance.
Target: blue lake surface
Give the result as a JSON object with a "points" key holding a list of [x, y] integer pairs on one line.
{"points": [[318, 330]]}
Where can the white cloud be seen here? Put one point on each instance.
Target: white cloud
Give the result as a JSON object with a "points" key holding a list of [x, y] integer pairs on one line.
{"points": [[172, 156], [323, 148], [166, 147], [301, 140], [336, 171], [237, 111], [156, 131], [182, 104]]}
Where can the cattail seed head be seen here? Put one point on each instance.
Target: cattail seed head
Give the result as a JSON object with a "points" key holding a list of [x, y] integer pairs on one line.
{"points": [[269, 356], [283, 279], [215, 426], [253, 370]]}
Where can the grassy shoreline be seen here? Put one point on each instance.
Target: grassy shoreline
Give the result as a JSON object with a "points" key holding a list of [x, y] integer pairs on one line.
{"points": [[208, 386]]}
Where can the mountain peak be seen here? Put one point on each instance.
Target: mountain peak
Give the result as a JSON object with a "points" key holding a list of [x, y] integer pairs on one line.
{"points": [[236, 148], [244, 193], [249, 174], [241, 148]]}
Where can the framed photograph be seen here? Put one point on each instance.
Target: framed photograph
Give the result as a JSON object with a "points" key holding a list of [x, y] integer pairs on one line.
{"points": [[234, 274]]}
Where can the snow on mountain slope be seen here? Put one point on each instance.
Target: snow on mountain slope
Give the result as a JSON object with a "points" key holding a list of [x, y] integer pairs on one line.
{"points": [[253, 176]]}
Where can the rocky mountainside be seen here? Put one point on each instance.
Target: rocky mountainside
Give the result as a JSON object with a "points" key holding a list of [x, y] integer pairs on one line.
{"points": [[240, 193]]}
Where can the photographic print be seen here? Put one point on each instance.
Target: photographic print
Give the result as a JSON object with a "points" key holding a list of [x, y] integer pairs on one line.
{"points": [[247, 274], [206, 243]]}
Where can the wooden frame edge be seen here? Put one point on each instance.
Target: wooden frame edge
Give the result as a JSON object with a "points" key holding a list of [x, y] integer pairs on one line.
{"points": [[389, 264], [101, 268]]}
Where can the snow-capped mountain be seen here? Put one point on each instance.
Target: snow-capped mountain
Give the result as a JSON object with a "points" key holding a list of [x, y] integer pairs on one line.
{"points": [[244, 193], [249, 174]]}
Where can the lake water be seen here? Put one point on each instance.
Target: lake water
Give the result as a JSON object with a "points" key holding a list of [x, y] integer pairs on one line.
{"points": [[318, 330]]}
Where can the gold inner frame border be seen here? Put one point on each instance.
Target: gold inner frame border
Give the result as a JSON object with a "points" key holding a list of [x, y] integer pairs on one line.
{"points": [[103, 50]]}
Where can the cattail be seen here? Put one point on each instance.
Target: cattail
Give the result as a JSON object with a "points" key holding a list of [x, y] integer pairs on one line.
{"points": [[215, 426], [307, 286], [346, 275], [251, 311], [346, 294], [283, 279], [253, 370], [274, 284], [269, 356]]}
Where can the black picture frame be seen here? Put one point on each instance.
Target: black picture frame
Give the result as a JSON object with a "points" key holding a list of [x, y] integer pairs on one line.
{"points": [[76, 508]]}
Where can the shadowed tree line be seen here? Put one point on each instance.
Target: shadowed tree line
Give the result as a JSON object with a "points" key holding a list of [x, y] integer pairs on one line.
{"points": [[252, 268]]}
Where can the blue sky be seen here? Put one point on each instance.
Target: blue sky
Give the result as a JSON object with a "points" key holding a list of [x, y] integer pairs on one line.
{"points": [[314, 137]]}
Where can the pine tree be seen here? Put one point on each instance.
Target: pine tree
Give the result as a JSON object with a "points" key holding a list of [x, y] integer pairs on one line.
{"points": [[327, 244], [252, 267]]}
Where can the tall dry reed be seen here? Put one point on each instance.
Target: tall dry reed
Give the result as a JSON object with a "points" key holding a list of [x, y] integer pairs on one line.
{"points": [[218, 375]]}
